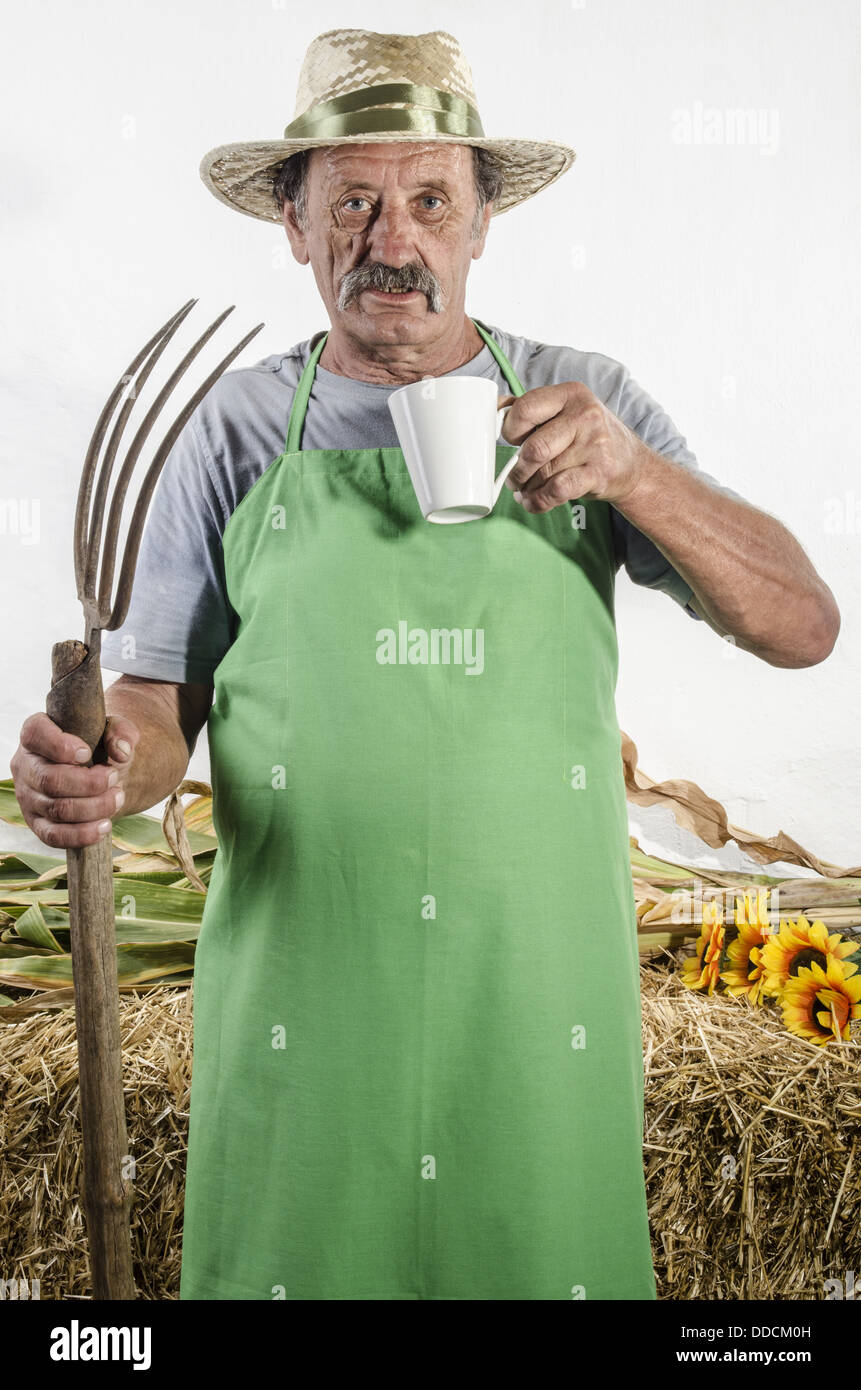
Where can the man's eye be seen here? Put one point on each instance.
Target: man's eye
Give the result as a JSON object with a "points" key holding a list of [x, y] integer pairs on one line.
{"points": [[348, 207]]}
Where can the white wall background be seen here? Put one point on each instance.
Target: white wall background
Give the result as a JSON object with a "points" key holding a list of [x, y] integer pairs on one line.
{"points": [[724, 275]]}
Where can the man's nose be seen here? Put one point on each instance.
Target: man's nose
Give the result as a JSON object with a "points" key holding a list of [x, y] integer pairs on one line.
{"points": [[390, 236]]}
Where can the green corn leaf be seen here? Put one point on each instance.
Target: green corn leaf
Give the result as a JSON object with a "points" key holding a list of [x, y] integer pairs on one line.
{"points": [[10, 950], [47, 896], [139, 900], [9, 809], [143, 835], [135, 964], [24, 868], [649, 867], [31, 926]]}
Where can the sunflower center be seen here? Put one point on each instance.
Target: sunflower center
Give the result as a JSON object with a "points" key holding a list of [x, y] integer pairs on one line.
{"points": [[807, 957]]}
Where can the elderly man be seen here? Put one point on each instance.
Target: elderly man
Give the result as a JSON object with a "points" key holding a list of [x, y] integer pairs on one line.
{"points": [[417, 1057]]}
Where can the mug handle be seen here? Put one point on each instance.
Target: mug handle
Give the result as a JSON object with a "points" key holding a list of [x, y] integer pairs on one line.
{"points": [[497, 486]]}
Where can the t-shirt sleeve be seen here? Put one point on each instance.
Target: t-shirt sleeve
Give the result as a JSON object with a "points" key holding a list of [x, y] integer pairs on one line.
{"points": [[179, 623], [643, 561]]}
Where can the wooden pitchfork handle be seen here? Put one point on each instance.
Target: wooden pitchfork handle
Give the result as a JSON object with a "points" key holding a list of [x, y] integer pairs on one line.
{"points": [[76, 704]]}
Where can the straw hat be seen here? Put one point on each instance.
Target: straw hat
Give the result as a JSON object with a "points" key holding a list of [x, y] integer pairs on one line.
{"points": [[357, 87]]}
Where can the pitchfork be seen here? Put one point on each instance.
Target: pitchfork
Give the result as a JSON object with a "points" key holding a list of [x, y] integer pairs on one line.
{"points": [[76, 703]]}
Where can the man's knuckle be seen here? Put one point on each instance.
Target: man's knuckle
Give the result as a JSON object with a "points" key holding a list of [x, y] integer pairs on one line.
{"points": [[49, 834], [540, 451], [28, 728], [49, 783], [40, 775]]}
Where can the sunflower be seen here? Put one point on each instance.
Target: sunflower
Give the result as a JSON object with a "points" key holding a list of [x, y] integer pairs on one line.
{"points": [[801, 944], [745, 974], [701, 970], [818, 1003]]}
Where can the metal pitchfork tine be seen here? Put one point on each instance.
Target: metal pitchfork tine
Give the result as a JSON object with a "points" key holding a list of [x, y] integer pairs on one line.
{"points": [[76, 703]]}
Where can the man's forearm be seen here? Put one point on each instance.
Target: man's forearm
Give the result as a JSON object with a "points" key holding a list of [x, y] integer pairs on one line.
{"points": [[752, 579], [162, 754]]}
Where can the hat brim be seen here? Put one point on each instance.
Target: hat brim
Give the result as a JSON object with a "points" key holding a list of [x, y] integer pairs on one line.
{"points": [[241, 175]]}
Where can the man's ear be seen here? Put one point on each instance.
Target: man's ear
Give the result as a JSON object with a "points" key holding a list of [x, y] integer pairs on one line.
{"points": [[478, 242], [295, 235]]}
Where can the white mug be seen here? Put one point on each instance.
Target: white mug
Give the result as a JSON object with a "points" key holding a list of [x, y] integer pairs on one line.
{"points": [[448, 428]]}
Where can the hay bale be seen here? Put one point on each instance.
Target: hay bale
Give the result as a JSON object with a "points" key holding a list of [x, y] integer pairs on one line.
{"points": [[41, 1213], [752, 1171]]}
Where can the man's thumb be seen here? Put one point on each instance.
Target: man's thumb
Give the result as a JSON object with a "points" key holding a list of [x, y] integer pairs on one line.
{"points": [[120, 738]]}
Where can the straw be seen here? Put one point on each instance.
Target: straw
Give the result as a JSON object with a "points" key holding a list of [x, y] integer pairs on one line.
{"points": [[753, 1187]]}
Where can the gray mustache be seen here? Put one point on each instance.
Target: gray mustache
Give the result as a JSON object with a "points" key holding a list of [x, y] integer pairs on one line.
{"points": [[374, 276]]}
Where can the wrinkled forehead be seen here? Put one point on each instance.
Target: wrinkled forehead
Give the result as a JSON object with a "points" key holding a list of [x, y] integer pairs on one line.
{"points": [[405, 161]]}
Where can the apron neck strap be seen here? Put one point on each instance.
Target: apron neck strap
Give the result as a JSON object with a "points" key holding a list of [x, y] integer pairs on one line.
{"points": [[300, 399], [303, 390], [504, 365]]}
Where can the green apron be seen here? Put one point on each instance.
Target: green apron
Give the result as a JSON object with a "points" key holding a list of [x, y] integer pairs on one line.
{"points": [[417, 1056]]}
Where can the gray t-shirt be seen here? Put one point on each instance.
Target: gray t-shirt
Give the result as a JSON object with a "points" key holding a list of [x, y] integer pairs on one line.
{"points": [[180, 621]]}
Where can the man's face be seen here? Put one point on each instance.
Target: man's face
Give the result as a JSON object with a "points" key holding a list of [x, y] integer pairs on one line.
{"points": [[391, 214]]}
